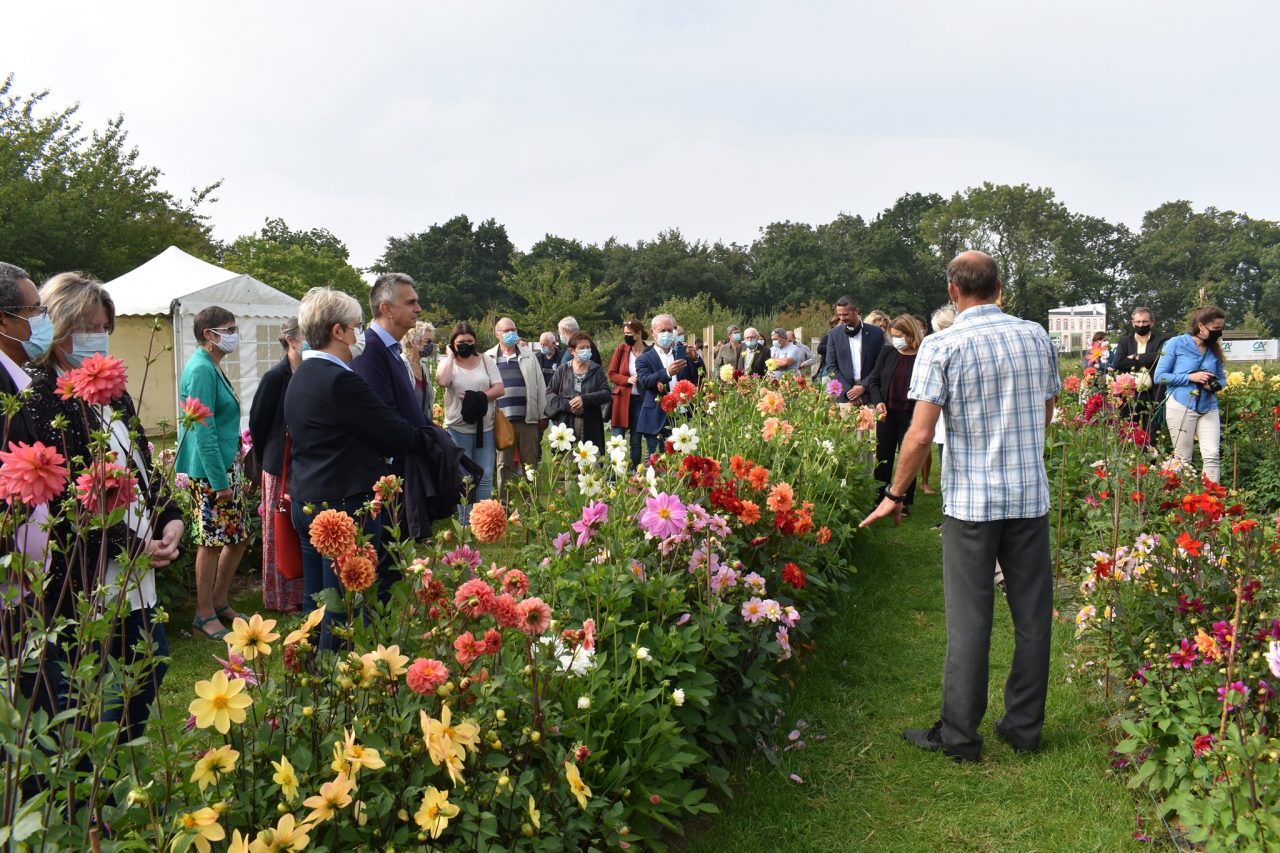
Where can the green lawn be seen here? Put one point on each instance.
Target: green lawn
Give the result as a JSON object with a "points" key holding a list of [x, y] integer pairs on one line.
{"points": [[877, 670]]}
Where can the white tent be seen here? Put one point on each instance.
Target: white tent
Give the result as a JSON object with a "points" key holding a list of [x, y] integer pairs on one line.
{"points": [[174, 287]]}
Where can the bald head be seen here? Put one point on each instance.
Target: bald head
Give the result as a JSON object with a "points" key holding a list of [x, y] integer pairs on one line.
{"points": [[975, 274]]}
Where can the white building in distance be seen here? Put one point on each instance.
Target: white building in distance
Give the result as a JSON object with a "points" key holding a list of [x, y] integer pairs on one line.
{"points": [[1072, 328]]}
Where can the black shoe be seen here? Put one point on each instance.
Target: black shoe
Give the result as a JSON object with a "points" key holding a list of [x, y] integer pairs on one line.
{"points": [[931, 739], [1024, 749]]}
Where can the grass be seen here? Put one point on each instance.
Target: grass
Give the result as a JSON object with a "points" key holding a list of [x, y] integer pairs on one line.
{"points": [[877, 670]]}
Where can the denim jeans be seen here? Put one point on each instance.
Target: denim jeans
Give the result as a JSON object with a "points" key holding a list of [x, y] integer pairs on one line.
{"points": [[317, 571], [484, 457], [132, 630]]}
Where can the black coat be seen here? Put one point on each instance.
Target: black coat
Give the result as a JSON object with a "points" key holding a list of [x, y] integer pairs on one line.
{"points": [[342, 433], [266, 417], [81, 551], [433, 485], [595, 395], [881, 375]]}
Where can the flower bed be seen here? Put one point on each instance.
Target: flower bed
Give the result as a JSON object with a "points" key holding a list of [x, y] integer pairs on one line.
{"points": [[574, 676], [1178, 614]]}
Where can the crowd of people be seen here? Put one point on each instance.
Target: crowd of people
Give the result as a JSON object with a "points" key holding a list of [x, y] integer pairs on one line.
{"points": [[348, 405]]}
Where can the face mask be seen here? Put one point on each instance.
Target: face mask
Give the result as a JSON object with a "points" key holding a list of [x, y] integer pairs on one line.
{"points": [[737, 337], [429, 347], [358, 346], [630, 340], [584, 355], [511, 338], [563, 340], [1143, 330], [754, 343], [227, 341], [679, 339], [1212, 335], [465, 350], [666, 339], [306, 347], [37, 344], [85, 344], [899, 343], [777, 344], [852, 330]]}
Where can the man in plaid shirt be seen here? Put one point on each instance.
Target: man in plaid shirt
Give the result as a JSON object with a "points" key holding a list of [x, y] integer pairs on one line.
{"points": [[996, 377]]}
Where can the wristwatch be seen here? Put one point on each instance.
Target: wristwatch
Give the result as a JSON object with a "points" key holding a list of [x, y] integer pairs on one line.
{"points": [[895, 498]]}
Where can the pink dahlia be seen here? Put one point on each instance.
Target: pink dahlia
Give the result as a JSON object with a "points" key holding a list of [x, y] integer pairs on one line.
{"points": [[535, 616], [99, 379], [34, 473], [663, 516], [425, 675], [106, 486], [474, 598]]}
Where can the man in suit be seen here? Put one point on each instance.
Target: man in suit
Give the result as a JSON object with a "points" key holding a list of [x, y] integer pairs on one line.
{"points": [[751, 361], [852, 349], [657, 370], [393, 302]]}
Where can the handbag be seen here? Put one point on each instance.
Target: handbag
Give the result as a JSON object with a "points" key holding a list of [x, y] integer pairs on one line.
{"points": [[504, 434], [288, 545]]}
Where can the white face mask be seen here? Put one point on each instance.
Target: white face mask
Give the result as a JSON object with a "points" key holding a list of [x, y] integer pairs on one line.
{"points": [[899, 342], [227, 341], [358, 346]]}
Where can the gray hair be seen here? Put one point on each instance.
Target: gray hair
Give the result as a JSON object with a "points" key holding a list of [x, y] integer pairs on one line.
{"points": [[568, 324], [543, 338], [749, 330], [384, 289], [321, 309], [502, 320], [668, 317], [943, 318], [10, 275], [1142, 309], [288, 331]]}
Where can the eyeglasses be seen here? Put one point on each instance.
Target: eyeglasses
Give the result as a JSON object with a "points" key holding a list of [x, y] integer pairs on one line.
{"points": [[22, 310], [227, 330], [358, 329]]}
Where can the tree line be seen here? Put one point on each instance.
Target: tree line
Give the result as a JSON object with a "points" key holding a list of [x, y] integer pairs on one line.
{"points": [[71, 199]]}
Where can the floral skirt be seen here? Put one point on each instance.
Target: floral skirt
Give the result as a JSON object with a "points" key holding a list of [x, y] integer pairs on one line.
{"points": [[218, 523], [278, 592]]}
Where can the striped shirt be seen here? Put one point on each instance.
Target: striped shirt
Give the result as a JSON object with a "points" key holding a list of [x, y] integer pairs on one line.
{"points": [[991, 374], [514, 396]]}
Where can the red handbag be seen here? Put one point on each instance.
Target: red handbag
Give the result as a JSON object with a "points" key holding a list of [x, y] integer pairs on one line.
{"points": [[288, 545]]}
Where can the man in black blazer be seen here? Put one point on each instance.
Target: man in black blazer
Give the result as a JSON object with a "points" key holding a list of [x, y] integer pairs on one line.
{"points": [[754, 354], [393, 302], [19, 301], [852, 349]]}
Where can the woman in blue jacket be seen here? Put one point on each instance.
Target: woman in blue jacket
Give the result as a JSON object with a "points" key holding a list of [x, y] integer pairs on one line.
{"points": [[1191, 368], [209, 455]]}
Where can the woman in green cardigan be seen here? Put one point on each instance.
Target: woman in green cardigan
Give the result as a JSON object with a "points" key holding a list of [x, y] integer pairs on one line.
{"points": [[208, 453]]}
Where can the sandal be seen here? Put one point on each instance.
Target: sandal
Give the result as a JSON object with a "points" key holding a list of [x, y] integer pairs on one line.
{"points": [[228, 614], [198, 624]]}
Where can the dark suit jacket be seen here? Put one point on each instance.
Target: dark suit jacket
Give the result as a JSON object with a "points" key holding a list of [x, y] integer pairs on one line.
{"points": [[384, 371], [751, 362], [881, 375], [19, 427], [839, 357], [654, 381], [342, 433], [266, 417]]}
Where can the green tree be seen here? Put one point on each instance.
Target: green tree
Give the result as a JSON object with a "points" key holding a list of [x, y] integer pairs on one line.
{"points": [[458, 267], [295, 261], [84, 201], [545, 291]]}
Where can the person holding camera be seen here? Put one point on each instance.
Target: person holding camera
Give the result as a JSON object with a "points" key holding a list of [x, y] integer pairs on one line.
{"points": [[1191, 368]]}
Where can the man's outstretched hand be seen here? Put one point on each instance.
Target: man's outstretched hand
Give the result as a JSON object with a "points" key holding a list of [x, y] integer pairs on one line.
{"points": [[885, 509]]}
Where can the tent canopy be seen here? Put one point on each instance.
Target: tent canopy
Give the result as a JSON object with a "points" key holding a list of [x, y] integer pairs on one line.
{"points": [[174, 275]]}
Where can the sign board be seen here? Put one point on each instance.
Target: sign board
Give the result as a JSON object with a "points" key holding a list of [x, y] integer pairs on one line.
{"points": [[1251, 350]]}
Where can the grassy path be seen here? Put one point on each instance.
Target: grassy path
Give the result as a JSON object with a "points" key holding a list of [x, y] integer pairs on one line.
{"points": [[878, 670]]}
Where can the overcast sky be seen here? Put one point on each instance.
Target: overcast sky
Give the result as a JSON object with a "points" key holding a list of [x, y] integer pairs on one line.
{"points": [[599, 119]]}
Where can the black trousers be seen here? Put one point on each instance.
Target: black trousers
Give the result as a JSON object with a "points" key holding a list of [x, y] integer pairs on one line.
{"points": [[969, 554], [889, 435]]}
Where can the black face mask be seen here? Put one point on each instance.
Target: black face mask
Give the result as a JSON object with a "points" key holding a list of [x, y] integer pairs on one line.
{"points": [[630, 340], [464, 350], [1212, 336], [1143, 330], [852, 330], [429, 347]]}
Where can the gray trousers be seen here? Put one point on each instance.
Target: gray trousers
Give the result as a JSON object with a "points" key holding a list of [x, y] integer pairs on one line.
{"points": [[969, 554], [527, 436]]}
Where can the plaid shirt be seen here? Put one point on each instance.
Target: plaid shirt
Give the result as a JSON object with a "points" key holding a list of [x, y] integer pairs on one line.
{"points": [[991, 374]]}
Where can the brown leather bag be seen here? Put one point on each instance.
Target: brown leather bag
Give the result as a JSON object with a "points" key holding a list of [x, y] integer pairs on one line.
{"points": [[504, 434]]}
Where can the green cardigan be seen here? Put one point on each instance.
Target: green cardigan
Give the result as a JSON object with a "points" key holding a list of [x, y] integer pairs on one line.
{"points": [[209, 451]]}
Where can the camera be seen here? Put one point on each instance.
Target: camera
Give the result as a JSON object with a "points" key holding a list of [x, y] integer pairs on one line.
{"points": [[1212, 385]]}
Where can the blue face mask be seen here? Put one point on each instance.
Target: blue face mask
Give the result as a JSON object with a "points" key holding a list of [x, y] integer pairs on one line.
{"points": [[37, 344], [737, 337], [679, 339], [305, 346], [584, 355], [85, 344], [511, 338], [666, 339]]}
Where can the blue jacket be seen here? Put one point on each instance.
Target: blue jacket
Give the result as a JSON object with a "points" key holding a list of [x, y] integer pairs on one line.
{"points": [[653, 381], [841, 360], [385, 372], [1180, 358]]}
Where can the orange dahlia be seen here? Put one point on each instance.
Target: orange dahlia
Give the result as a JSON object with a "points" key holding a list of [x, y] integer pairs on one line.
{"points": [[357, 569], [333, 533], [781, 498], [488, 521]]}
